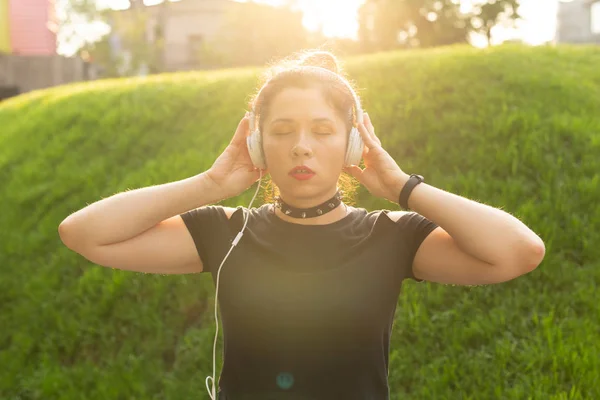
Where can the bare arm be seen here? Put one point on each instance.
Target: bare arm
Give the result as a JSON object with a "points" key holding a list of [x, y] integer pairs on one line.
{"points": [[142, 230], [128, 214]]}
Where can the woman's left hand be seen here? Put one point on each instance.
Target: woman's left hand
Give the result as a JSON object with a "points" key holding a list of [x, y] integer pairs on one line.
{"points": [[382, 176]]}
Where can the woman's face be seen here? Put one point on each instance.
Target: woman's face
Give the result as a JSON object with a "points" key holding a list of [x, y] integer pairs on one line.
{"points": [[303, 129]]}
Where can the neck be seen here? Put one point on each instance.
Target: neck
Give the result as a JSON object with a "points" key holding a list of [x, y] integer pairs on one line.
{"points": [[316, 210], [340, 212], [307, 202]]}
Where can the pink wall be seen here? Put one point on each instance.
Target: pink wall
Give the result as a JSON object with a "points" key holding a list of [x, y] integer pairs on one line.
{"points": [[31, 22]]}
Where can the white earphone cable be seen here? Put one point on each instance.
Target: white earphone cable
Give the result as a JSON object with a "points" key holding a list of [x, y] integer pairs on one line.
{"points": [[211, 390], [353, 155]]}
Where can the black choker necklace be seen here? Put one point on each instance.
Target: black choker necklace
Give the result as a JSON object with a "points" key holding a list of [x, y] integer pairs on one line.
{"points": [[316, 211]]}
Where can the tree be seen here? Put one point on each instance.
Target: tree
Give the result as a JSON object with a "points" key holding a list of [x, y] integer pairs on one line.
{"points": [[390, 24], [440, 23], [493, 12], [127, 48], [73, 15]]}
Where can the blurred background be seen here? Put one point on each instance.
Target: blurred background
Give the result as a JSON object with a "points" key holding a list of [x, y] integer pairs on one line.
{"points": [[496, 101], [46, 43]]}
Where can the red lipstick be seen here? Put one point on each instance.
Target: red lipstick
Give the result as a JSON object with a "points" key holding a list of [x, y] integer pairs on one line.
{"points": [[301, 172]]}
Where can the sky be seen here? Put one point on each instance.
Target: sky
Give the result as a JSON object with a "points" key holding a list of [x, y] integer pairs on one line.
{"points": [[338, 18]]}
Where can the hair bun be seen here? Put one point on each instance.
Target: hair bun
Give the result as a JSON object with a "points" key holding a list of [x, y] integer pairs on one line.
{"points": [[323, 59]]}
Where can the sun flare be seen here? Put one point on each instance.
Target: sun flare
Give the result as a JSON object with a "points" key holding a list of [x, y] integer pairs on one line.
{"points": [[338, 18], [333, 17]]}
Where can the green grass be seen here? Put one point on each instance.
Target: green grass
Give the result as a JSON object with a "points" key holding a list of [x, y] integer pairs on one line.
{"points": [[514, 127]]}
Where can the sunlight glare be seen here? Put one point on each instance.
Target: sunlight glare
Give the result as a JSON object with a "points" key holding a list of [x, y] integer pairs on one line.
{"points": [[339, 18], [336, 18]]}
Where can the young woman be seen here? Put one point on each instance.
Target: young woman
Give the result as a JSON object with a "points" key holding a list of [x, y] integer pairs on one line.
{"points": [[307, 285]]}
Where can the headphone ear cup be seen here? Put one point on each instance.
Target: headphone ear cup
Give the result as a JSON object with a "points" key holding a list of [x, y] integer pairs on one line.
{"points": [[254, 144], [355, 148]]}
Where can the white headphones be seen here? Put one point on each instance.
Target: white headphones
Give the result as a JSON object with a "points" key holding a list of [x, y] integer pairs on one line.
{"points": [[254, 143], [355, 143]]}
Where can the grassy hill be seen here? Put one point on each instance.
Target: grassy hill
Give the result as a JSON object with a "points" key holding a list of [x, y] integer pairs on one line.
{"points": [[514, 127]]}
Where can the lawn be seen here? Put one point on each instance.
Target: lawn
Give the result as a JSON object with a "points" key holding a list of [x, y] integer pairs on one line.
{"points": [[512, 126]]}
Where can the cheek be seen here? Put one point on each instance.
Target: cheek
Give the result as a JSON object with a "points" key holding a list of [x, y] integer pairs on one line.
{"points": [[271, 150], [341, 146]]}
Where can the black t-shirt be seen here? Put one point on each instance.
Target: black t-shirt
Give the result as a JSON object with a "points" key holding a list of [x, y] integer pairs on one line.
{"points": [[307, 310]]}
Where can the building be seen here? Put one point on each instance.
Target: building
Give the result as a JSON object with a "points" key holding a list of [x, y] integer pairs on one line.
{"points": [[28, 27], [578, 21], [28, 44], [182, 26]]}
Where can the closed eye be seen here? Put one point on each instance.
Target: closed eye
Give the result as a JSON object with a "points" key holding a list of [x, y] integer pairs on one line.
{"points": [[318, 133]]}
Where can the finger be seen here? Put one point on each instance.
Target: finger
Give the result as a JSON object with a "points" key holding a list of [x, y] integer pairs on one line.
{"points": [[366, 136], [368, 123], [365, 123], [241, 132], [354, 170], [371, 128]]}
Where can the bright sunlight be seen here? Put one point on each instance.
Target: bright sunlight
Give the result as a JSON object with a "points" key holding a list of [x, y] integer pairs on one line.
{"points": [[336, 18]]}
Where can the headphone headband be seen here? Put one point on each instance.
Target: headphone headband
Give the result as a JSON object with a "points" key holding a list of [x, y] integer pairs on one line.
{"points": [[357, 105]]}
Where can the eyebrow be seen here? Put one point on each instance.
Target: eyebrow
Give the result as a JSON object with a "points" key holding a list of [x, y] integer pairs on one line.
{"points": [[291, 120]]}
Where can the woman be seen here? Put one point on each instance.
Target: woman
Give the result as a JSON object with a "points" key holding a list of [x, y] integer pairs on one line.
{"points": [[308, 289]]}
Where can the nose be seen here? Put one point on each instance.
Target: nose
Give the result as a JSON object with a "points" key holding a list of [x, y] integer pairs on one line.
{"points": [[301, 148]]}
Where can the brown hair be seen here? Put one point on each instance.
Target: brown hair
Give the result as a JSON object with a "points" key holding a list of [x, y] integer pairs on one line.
{"points": [[296, 71]]}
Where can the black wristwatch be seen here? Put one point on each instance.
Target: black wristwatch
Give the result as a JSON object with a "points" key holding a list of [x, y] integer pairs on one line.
{"points": [[413, 181]]}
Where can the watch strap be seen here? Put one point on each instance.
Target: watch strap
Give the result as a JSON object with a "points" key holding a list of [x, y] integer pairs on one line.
{"points": [[413, 181]]}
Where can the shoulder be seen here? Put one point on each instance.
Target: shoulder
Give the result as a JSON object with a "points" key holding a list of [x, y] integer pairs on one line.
{"points": [[396, 215], [363, 215], [229, 211], [255, 211]]}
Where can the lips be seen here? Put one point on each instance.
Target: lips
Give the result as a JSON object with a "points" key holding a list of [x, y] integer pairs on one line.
{"points": [[301, 169]]}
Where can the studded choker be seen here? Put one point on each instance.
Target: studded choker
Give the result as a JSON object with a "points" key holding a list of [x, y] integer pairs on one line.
{"points": [[312, 212]]}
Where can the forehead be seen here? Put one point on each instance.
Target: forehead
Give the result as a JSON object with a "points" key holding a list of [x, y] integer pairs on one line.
{"points": [[300, 103]]}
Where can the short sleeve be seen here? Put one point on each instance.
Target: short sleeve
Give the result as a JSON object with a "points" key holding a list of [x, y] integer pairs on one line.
{"points": [[416, 228], [208, 227]]}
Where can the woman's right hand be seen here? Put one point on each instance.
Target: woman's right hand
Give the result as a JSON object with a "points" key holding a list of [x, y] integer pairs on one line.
{"points": [[233, 171]]}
